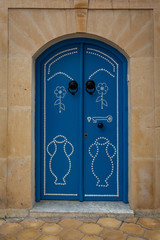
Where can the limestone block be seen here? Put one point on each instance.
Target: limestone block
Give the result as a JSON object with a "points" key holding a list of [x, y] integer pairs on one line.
{"points": [[3, 15], [2, 222], [142, 184], [3, 39], [116, 4], [3, 76], [130, 29], [142, 83], [157, 81], [156, 32], [3, 193], [20, 81], [41, 27], [19, 132], [157, 139], [81, 3], [23, 37], [16, 213], [81, 20], [142, 133], [3, 181], [3, 132], [2, 213], [144, 4], [19, 183], [157, 183], [140, 43], [40, 4], [106, 4]]}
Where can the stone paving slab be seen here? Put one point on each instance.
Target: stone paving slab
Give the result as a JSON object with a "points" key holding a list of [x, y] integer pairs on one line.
{"points": [[73, 229]]}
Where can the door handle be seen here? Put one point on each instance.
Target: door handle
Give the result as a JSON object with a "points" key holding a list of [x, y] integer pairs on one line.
{"points": [[73, 87], [90, 87]]}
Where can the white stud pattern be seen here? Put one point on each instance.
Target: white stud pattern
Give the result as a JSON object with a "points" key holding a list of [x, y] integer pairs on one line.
{"points": [[67, 54], [67, 155], [107, 143], [95, 50], [108, 118], [102, 89], [101, 70], [67, 50], [60, 73], [60, 93]]}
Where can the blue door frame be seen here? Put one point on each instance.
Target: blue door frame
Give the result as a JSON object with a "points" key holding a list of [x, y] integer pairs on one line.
{"points": [[83, 62]]}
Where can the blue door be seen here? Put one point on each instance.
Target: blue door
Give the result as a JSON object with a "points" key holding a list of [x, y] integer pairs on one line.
{"points": [[81, 122]]}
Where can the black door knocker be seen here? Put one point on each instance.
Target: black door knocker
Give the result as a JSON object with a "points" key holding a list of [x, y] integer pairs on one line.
{"points": [[90, 87], [73, 87]]}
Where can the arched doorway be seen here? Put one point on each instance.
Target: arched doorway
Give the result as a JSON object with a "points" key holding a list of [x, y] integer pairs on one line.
{"points": [[81, 122]]}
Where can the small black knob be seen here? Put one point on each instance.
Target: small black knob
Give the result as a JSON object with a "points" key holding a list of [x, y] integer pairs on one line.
{"points": [[100, 125], [73, 87], [90, 86]]}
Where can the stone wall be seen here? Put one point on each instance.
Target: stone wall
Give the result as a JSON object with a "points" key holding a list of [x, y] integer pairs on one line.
{"points": [[25, 27]]}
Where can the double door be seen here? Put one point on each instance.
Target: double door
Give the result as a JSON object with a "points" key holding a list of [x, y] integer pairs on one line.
{"points": [[80, 136]]}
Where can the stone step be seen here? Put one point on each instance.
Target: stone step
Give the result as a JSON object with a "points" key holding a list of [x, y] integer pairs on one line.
{"points": [[75, 209]]}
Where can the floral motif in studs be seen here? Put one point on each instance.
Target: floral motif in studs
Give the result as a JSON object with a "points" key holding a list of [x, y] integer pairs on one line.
{"points": [[102, 89], [60, 93]]}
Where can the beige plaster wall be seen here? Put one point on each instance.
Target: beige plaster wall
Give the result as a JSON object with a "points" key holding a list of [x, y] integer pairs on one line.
{"points": [[25, 27]]}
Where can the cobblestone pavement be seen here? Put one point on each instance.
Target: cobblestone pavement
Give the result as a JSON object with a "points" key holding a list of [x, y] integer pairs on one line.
{"points": [[69, 229]]}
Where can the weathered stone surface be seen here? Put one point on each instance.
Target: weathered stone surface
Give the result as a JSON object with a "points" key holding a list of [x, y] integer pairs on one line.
{"points": [[10, 228], [70, 223], [81, 20], [112, 234], [49, 237], [91, 238], [32, 223], [131, 220], [91, 228], [132, 229], [80, 3], [149, 223], [68, 234], [9, 237], [28, 234], [109, 222], [143, 181], [51, 228], [152, 234], [134, 238], [2, 222]]}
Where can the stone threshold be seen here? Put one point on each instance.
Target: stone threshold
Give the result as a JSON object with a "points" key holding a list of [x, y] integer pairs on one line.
{"points": [[76, 209]]}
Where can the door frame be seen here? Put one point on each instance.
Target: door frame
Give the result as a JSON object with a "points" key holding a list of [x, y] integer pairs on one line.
{"points": [[124, 100]]}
